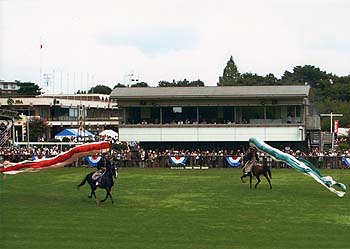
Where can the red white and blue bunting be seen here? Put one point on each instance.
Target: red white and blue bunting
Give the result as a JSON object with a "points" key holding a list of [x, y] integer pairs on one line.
{"points": [[234, 161], [176, 160], [38, 157], [93, 160], [346, 161]]}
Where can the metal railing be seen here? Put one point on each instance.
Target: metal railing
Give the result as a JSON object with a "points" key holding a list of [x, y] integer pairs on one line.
{"points": [[325, 162]]}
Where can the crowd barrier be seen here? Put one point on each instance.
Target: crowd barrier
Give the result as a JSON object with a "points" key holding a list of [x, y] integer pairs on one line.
{"points": [[325, 162]]}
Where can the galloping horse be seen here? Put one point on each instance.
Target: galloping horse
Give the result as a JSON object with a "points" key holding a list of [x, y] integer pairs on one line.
{"points": [[257, 170], [106, 182]]}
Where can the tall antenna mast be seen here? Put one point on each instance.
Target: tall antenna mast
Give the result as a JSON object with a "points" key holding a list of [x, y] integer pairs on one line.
{"points": [[40, 66]]}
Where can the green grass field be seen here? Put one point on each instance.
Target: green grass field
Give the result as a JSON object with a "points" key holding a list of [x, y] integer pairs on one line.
{"points": [[163, 208]]}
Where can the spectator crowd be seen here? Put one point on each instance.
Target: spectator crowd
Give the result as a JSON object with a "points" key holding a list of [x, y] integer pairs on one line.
{"points": [[135, 156]]}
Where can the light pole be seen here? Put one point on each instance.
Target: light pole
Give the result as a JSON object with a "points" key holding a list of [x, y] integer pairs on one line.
{"points": [[331, 115], [28, 131]]}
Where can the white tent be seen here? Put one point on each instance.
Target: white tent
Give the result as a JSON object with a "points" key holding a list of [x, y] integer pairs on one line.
{"points": [[343, 131], [109, 133], [73, 133]]}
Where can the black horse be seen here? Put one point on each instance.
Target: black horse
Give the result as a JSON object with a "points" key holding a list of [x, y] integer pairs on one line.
{"points": [[105, 182], [257, 170]]}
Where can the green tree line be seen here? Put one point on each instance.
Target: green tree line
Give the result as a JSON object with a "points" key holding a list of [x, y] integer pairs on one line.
{"points": [[331, 93]]}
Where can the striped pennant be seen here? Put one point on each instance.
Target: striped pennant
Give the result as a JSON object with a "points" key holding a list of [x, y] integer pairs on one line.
{"points": [[60, 160]]}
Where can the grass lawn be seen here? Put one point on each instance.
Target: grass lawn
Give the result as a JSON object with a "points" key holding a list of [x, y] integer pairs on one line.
{"points": [[163, 208]]}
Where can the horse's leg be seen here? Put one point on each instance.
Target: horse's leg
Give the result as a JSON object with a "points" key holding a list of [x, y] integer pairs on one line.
{"points": [[110, 196], [242, 177], [93, 189], [258, 178], [250, 180], [268, 179], [108, 193]]}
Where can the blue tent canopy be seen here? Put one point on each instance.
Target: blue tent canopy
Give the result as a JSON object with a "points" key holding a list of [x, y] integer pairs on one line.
{"points": [[73, 133]]}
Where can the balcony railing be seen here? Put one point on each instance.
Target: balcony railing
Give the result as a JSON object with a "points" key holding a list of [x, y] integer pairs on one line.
{"points": [[74, 119]]}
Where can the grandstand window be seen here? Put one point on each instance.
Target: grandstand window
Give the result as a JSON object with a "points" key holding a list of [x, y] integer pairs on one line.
{"points": [[253, 114]]}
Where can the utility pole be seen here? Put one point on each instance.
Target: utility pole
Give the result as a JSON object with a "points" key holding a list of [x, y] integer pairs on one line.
{"points": [[332, 132]]}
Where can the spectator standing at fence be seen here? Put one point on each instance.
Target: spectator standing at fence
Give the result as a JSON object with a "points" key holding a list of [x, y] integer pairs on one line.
{"points": [[213, 158], [143, 158]]}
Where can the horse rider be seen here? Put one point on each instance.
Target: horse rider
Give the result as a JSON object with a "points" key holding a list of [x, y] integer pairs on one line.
{"points": [[101, 169], [251, 158], [108, 165]]}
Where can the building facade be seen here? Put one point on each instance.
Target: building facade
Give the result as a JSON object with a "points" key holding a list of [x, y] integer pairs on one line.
{"points": [[92, 112], [8, 87], [214, 114]]}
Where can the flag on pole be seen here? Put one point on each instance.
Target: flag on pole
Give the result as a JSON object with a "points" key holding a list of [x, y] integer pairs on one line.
{"points": [[336, 125]]}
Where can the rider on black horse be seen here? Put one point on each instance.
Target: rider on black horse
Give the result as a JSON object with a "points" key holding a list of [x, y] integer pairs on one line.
{"points": [[102, 166]]}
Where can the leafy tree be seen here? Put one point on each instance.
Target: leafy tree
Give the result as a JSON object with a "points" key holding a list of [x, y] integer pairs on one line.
{"points": [[165, 83], [307, 74], [28, 88], [249, 79], [119, 86], [101, 89], [270, 79], [230, 75], [181, 83], [184, 82], [328, 105], [37, 129], [140, 84], [196, 83], [338, 88], [81, 92]]}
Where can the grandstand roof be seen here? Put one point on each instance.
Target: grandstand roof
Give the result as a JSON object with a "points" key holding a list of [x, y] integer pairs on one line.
{"points": [[211, 92]]}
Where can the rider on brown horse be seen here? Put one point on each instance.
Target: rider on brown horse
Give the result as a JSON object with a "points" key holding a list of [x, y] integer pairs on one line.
{"points": [[253, 168], [251, 160]]}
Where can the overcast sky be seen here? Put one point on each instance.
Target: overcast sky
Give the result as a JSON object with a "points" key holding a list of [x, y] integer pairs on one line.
{"points": [[101, 42]]}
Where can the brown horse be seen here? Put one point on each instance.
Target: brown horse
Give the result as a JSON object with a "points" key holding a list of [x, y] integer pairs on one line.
{"points": [[257, 170]]}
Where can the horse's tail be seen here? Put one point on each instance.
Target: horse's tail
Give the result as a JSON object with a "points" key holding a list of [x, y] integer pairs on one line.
{"points": [[269, 171], [83, 181]]}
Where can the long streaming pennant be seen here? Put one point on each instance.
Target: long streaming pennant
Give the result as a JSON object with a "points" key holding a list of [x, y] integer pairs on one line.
{"points": [[60, 160], [301, 165]]}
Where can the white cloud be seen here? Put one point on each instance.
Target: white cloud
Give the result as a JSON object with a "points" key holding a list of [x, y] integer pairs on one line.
{"points": [[89, 42]]}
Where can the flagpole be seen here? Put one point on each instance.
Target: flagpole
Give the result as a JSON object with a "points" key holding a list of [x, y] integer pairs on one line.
{"points": [[41, 61], [331, 115]]}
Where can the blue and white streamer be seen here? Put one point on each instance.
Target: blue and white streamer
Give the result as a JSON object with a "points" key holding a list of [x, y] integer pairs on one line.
{"points": [[301, 165]]}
